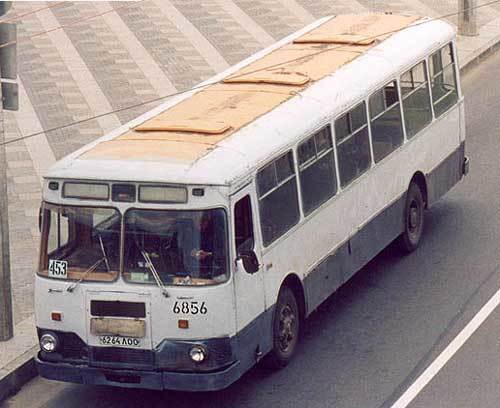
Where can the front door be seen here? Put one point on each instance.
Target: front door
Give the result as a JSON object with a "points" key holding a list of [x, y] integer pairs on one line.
{"points": [[249, 287]]}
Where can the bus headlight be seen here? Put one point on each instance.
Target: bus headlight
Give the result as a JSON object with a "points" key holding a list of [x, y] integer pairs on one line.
{"points": [[197, 354], [48, 342]]}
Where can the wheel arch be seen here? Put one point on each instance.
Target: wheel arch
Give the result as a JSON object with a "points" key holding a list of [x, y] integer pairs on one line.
{"points": [[420, 180], [293, 282]]}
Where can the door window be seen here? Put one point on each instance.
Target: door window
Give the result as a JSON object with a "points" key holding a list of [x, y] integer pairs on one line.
{"points": [[243, 225]]}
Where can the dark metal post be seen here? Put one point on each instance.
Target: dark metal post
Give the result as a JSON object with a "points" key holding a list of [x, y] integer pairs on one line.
{"points": [[467, 19], [8, 100], [6, 323]]}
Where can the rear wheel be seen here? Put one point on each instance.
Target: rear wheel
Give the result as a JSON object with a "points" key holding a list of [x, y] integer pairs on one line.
{"points": [[286, 328], [413, 219]]}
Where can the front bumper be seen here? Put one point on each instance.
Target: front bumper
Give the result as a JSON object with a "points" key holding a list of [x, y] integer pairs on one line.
{"points": [[155, 380]]}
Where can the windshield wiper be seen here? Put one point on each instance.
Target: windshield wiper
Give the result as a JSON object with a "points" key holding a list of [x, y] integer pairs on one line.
{"points": [[104, 253], [72, 287], [154, 272]]}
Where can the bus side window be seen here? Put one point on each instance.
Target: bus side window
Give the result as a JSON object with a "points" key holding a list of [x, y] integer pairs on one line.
{"points": [[416, 99], [317, 169], [443, 80], [353, 144], [243, 225], [385, 117], [278, 198]]}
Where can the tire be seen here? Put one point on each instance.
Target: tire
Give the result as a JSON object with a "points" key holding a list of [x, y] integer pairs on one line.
{"points": [[286, 329], [413, 220]]}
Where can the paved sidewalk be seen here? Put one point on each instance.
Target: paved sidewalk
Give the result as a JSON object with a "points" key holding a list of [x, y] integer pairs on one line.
{"points": [[126, 57]]}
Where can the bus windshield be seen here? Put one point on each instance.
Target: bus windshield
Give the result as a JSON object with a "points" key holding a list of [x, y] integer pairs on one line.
{"points": [[180, 247], [80, 243]]}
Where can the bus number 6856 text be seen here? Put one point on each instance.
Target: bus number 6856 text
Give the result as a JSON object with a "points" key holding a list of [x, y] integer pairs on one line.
{"points": [[193, 307]]}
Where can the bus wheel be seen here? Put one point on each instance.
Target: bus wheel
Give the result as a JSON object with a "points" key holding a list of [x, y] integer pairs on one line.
{"points": [[413, 219], [286, 328]]}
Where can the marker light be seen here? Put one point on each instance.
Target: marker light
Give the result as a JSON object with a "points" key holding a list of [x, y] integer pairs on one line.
{"points": [[123, 192], [48, 342], [56, 316], [183, 324], [197, 354]]}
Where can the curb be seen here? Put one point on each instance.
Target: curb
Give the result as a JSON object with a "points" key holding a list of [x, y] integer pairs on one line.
{"points": [[22, 369], [482, 53], [17, 373]]}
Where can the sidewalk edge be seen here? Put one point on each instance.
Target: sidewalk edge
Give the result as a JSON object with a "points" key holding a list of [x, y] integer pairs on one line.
{"points": [[482, 52], [17, 373]]}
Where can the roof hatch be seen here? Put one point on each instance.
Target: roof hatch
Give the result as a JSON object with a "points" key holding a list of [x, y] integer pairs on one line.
{"points": [[188, 125], [278, 76], [348, 39]]}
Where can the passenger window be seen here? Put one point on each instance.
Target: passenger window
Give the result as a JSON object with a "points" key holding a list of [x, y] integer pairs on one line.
{"points": [[443, 80], [353, 145], [278, 199], [317, 170], [416, 99], [243, 225], [386, 126]]}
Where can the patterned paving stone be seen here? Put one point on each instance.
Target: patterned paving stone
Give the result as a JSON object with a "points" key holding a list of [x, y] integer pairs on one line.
{"points": [[228, 37], [271, 15], [52, 91], [112, 67], [23, 224], [321, 8], [179, 59]]}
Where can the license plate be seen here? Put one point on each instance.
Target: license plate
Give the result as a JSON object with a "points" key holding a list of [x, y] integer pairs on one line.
{"points": [[118, 341]]}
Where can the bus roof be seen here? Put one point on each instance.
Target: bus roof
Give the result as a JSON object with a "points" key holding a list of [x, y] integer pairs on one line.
{"points": [[219, 132]]}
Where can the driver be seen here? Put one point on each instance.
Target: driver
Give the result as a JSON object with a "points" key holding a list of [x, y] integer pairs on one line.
{"points": [[210, 250]]}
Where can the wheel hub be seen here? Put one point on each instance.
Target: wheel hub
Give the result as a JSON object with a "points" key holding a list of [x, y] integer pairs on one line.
{"points": [[286, 328], [413, 217]]}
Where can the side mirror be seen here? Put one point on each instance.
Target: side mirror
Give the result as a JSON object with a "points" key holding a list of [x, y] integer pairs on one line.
{"points": [[249, 260]]}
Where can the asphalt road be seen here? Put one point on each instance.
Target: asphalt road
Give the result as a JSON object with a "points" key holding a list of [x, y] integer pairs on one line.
{"points": [[370, 341]]}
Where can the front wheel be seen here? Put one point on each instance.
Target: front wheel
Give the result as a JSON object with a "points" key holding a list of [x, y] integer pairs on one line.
{"points": [[286, 328], [413, 219]]}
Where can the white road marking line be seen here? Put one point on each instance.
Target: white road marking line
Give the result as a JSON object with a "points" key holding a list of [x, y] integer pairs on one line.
{"points": [[455, 345]]}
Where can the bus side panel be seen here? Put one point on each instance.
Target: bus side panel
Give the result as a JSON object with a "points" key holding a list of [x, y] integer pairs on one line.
{"points": [[376, 235], [338, 267], [255, 340], [450, 171], [446, 175], [327, 277]]}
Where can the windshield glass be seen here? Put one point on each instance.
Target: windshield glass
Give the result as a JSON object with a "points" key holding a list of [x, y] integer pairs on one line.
{"points": [[183, 247], [80, 243]]}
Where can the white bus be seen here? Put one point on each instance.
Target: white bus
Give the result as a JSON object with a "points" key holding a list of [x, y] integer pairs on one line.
{"points": [[184, 247]]}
